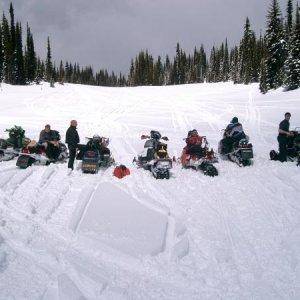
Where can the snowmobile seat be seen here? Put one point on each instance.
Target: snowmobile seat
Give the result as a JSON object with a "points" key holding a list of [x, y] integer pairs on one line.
{"points": [[150, 144], [196, 150]]}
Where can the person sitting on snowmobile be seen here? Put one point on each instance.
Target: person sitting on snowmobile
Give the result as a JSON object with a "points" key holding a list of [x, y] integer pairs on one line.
{"points": [[98, 143], [194, 143], [234, 132], [159, 149], [50, 140]]}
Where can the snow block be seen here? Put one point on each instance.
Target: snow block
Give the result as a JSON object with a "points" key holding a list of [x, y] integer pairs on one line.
{"points": [[67, 289], [180, 249], [83, 200], [115, 218]]}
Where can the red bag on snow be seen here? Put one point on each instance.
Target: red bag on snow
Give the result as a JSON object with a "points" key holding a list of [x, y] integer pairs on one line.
{"points": [[121, 171]]}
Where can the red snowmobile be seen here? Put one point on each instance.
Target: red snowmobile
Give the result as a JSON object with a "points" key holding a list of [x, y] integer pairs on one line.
{"points": [[197, 155]]}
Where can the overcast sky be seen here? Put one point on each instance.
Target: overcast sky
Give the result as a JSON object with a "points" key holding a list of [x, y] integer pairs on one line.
{"points": [[108, 33]]}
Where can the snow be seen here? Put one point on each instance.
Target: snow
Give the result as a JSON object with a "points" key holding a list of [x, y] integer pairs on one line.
{"points": [[80, 236]]}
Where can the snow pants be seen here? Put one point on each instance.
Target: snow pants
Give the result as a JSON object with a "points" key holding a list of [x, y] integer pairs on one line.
{"points": [[72, 155], [282, 141]]}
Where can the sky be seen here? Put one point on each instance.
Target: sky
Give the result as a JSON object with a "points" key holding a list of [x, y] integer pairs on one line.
{"points": [[107, 34]]}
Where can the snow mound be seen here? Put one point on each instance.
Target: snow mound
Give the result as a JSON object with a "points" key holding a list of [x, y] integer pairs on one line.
{"points": [[115, 218]]}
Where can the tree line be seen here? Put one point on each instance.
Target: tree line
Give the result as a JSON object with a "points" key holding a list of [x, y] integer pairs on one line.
{"points": [[272, 59]]}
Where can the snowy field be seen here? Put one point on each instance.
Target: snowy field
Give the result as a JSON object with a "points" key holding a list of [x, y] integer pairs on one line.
{"points": [[80, 236]]}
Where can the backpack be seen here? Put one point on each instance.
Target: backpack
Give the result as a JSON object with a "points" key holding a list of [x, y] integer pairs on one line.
{"points": [[121, 171]]}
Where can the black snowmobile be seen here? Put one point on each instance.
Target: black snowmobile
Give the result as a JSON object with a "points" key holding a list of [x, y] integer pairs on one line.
{"points": [[293, 148], [10, 148], [241, 151], [95, 155], [155, 156]]}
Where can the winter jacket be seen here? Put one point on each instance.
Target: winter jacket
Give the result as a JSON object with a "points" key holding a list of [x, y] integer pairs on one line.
{"points": [[72, 137], [233, 129], [194, 140], [50, 136]]}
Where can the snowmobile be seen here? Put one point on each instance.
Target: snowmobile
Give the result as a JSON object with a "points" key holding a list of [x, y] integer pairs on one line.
{"points": [[10, 147], [37, 154], [293, 148], [95, 155], [241, 151], [198, 156], [155, 156]]}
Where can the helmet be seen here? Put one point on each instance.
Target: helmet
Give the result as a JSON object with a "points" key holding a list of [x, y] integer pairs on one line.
{"points": [[155, 135], [96, 137], [234, 120]]}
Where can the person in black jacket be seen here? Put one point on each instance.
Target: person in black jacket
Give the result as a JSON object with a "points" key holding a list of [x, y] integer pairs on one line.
{"points": [[283, 135], [72, 139], [49, 139]]}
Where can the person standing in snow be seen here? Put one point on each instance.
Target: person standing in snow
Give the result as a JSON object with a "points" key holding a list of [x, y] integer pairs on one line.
{"points": [[283, 135], [72, 139]]}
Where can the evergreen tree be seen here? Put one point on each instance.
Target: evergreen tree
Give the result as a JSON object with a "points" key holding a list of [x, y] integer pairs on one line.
{"points": [[247, 54], [12, 27], [167, 71], [1, 55], [30, 57], [131, 74], [292, 65], [157, 72], [276, 47], [49, 66], [7, 51], [18, 64], [234, 65], [226, 63], [263, 78], [289, 17]]}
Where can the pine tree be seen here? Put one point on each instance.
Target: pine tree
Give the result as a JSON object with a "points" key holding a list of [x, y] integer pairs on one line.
{"points": [[247, 47], [7, 51], [61, 77], [263, 78], [131, 74], [30, 57], [292, 65], [12, 27], [289, 16], [157, 72], [276, 48], [18, 64], [49, 66], [1, 55], [226, 63], [167, 71]]}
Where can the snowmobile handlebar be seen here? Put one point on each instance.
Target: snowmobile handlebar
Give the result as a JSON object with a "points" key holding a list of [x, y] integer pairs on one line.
{"points": [[144, 137]]}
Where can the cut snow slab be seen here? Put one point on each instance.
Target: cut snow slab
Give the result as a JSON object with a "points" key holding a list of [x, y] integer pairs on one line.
{"points": [[115, 218]]}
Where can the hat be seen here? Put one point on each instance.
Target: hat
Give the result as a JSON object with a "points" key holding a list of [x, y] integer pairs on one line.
{"points": [[234, 120]]}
